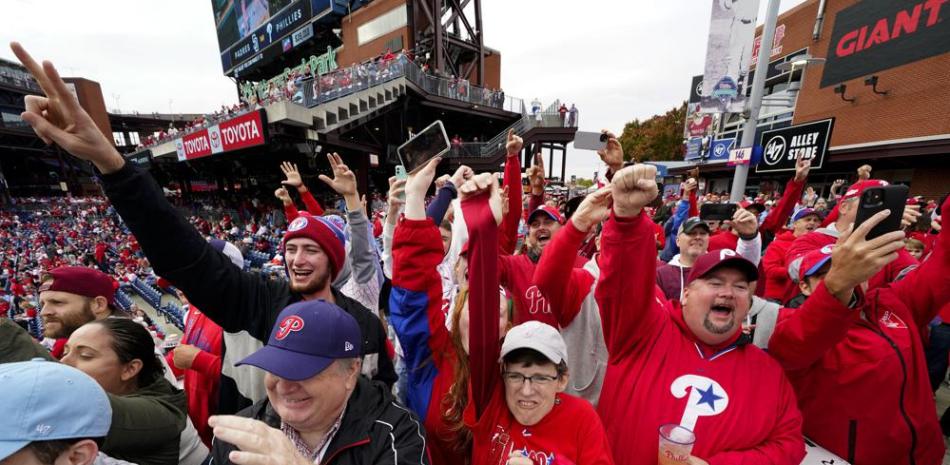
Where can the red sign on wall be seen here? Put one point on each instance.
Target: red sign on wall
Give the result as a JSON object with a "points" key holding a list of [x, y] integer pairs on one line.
{"points": [[237, 133]]}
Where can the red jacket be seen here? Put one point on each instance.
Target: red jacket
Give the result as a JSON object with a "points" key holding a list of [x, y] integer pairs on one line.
{"points": [[861, 374], [778, 285], [735, 398], [415, 306], [723, 240]]}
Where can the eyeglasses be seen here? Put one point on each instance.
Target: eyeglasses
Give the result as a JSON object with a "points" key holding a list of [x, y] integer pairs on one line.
{"points": [[517, 379]]}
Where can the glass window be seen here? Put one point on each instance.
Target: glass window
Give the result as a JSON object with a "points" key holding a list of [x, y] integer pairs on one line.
{"points": [[384, 24], [119, 139], [134, 138]]}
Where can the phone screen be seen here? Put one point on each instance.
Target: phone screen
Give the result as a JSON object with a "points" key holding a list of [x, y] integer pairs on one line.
{"points": [[426, 145]]}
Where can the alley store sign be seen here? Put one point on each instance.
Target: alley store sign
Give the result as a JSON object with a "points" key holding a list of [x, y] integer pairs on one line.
{"points": [[237, 133], [781, 147], [871, 36]]}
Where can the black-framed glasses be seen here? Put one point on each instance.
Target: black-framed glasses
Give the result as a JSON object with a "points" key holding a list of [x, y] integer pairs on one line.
{"points": [[517, 379]]}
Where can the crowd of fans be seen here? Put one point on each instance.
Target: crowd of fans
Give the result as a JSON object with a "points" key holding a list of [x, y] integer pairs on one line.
{"points": [[619, 328]]}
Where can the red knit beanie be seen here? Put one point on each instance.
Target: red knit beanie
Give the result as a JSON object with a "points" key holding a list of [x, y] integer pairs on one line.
{"points": [[326, 234]]}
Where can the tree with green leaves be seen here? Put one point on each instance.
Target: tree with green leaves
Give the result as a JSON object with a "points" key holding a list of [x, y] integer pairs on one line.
{"points": [[658, 138]]}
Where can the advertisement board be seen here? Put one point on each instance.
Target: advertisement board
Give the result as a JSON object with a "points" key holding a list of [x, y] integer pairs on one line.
{"points": [[236, 133], [728, 53], [874, 36], [782, 147]]}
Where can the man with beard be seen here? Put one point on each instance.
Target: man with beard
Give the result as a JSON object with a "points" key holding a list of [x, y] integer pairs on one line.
{"points": [[685, 362], [235, 299], [71, 296]]}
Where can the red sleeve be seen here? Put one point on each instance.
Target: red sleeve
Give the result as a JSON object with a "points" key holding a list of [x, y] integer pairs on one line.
{"points": [[483, 298], [802, 336], [659, 236], [509, 224], [627, 291], [313, 207], [693, 204], [779, 215], [170, 360], [290, 211], [207, 364], [926, 289], [564, 287], [785, 444]]}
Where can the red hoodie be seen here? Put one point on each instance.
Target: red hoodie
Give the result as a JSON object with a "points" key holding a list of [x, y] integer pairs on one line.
{"points": [[415, 305], [778, 285], [861, 374], [774, 221], [735, 398]]}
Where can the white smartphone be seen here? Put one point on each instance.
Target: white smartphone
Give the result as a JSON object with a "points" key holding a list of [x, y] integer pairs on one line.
{"points": [[431, 142], [590, 140]]}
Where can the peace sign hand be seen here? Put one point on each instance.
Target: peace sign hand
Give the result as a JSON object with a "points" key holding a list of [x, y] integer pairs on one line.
{"points": [[344, 180], [59, 118]]}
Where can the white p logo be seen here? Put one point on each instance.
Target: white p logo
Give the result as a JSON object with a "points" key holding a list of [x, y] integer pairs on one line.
{"points": [[706, 398]]}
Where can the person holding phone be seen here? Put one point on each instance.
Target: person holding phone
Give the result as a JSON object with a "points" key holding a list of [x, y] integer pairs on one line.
{"points": [[847, 212], [854, 354]]}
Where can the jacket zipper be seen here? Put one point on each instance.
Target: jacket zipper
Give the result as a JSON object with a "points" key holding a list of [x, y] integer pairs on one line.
{"points": [[330, 459], [852, 439], [910, 426]]}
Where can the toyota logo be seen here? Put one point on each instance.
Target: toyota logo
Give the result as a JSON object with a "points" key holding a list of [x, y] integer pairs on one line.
{"points": [[774, 150]]}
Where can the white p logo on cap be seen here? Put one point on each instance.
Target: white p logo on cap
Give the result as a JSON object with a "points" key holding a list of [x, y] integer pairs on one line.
{"points": [[726, 253]]}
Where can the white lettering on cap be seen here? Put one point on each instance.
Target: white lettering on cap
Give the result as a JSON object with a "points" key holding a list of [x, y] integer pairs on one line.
{"points": [[347, 346], [297, 224], [827, 249], [726, 253]]}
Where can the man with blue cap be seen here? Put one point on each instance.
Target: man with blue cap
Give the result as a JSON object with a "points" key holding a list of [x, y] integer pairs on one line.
{"points": [[43, 423], [318, 408]]}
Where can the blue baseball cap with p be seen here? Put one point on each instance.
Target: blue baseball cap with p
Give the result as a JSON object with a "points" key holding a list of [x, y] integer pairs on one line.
{"points": [[47, 401], [307, 337]]}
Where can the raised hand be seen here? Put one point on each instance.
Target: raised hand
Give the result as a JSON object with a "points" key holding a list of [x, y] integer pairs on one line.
{"points": [[396, 198], [485, 182], [292, 174], [536, 174], [440, 182], [59, 118], [612, 155], [282, 195], [689, 186], [911, 213], [462, 174], [344, 180], [593, 209], [855, 259], [634, 187], [416, 187], [514, 144], [745, 223], [802, 167]]}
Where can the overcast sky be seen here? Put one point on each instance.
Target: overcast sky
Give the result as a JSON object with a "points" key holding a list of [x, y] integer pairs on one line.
{"points": [[617, 60]]}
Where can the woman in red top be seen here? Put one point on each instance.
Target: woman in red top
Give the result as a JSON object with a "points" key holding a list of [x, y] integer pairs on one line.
{"points": [[437, 384], [521, 417]]}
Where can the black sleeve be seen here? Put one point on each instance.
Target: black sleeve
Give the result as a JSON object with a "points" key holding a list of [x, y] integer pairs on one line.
{"points": [[386, 372], [234, 299]]}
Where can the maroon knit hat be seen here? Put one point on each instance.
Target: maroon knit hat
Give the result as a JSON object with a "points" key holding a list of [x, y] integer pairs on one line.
{"points": [[323, 232], [82, 281]]}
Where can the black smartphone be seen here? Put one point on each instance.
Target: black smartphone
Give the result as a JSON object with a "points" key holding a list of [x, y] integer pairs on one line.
{"points": [[431, 142], [875, 199], [717, 211]]}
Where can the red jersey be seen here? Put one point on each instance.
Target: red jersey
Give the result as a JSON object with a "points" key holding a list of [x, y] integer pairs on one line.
{"points": [[734, 397], [516, 273]]}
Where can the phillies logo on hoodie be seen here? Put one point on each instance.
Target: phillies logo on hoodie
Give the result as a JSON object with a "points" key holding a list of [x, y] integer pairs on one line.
{"points": [[706, 398]]}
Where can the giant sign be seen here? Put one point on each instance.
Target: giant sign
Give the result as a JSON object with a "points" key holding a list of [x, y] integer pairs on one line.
{"points": [[236, 133], [782, 147], [873, 36]]}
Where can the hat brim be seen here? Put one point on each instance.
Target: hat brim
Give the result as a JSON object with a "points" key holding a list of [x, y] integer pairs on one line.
{"points": [[287, 364], [701, 224], [545, 213], [10, 447], [547, 352], [745, 266], [817, 266]]}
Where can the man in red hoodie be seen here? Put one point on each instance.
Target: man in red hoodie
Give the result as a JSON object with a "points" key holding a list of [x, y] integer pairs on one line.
{"points": [[778, 286], [778, 215], [857, 363], [685, 363]]}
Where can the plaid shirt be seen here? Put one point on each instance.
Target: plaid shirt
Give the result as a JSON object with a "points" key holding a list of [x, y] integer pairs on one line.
{"points": [[316, 454]]}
